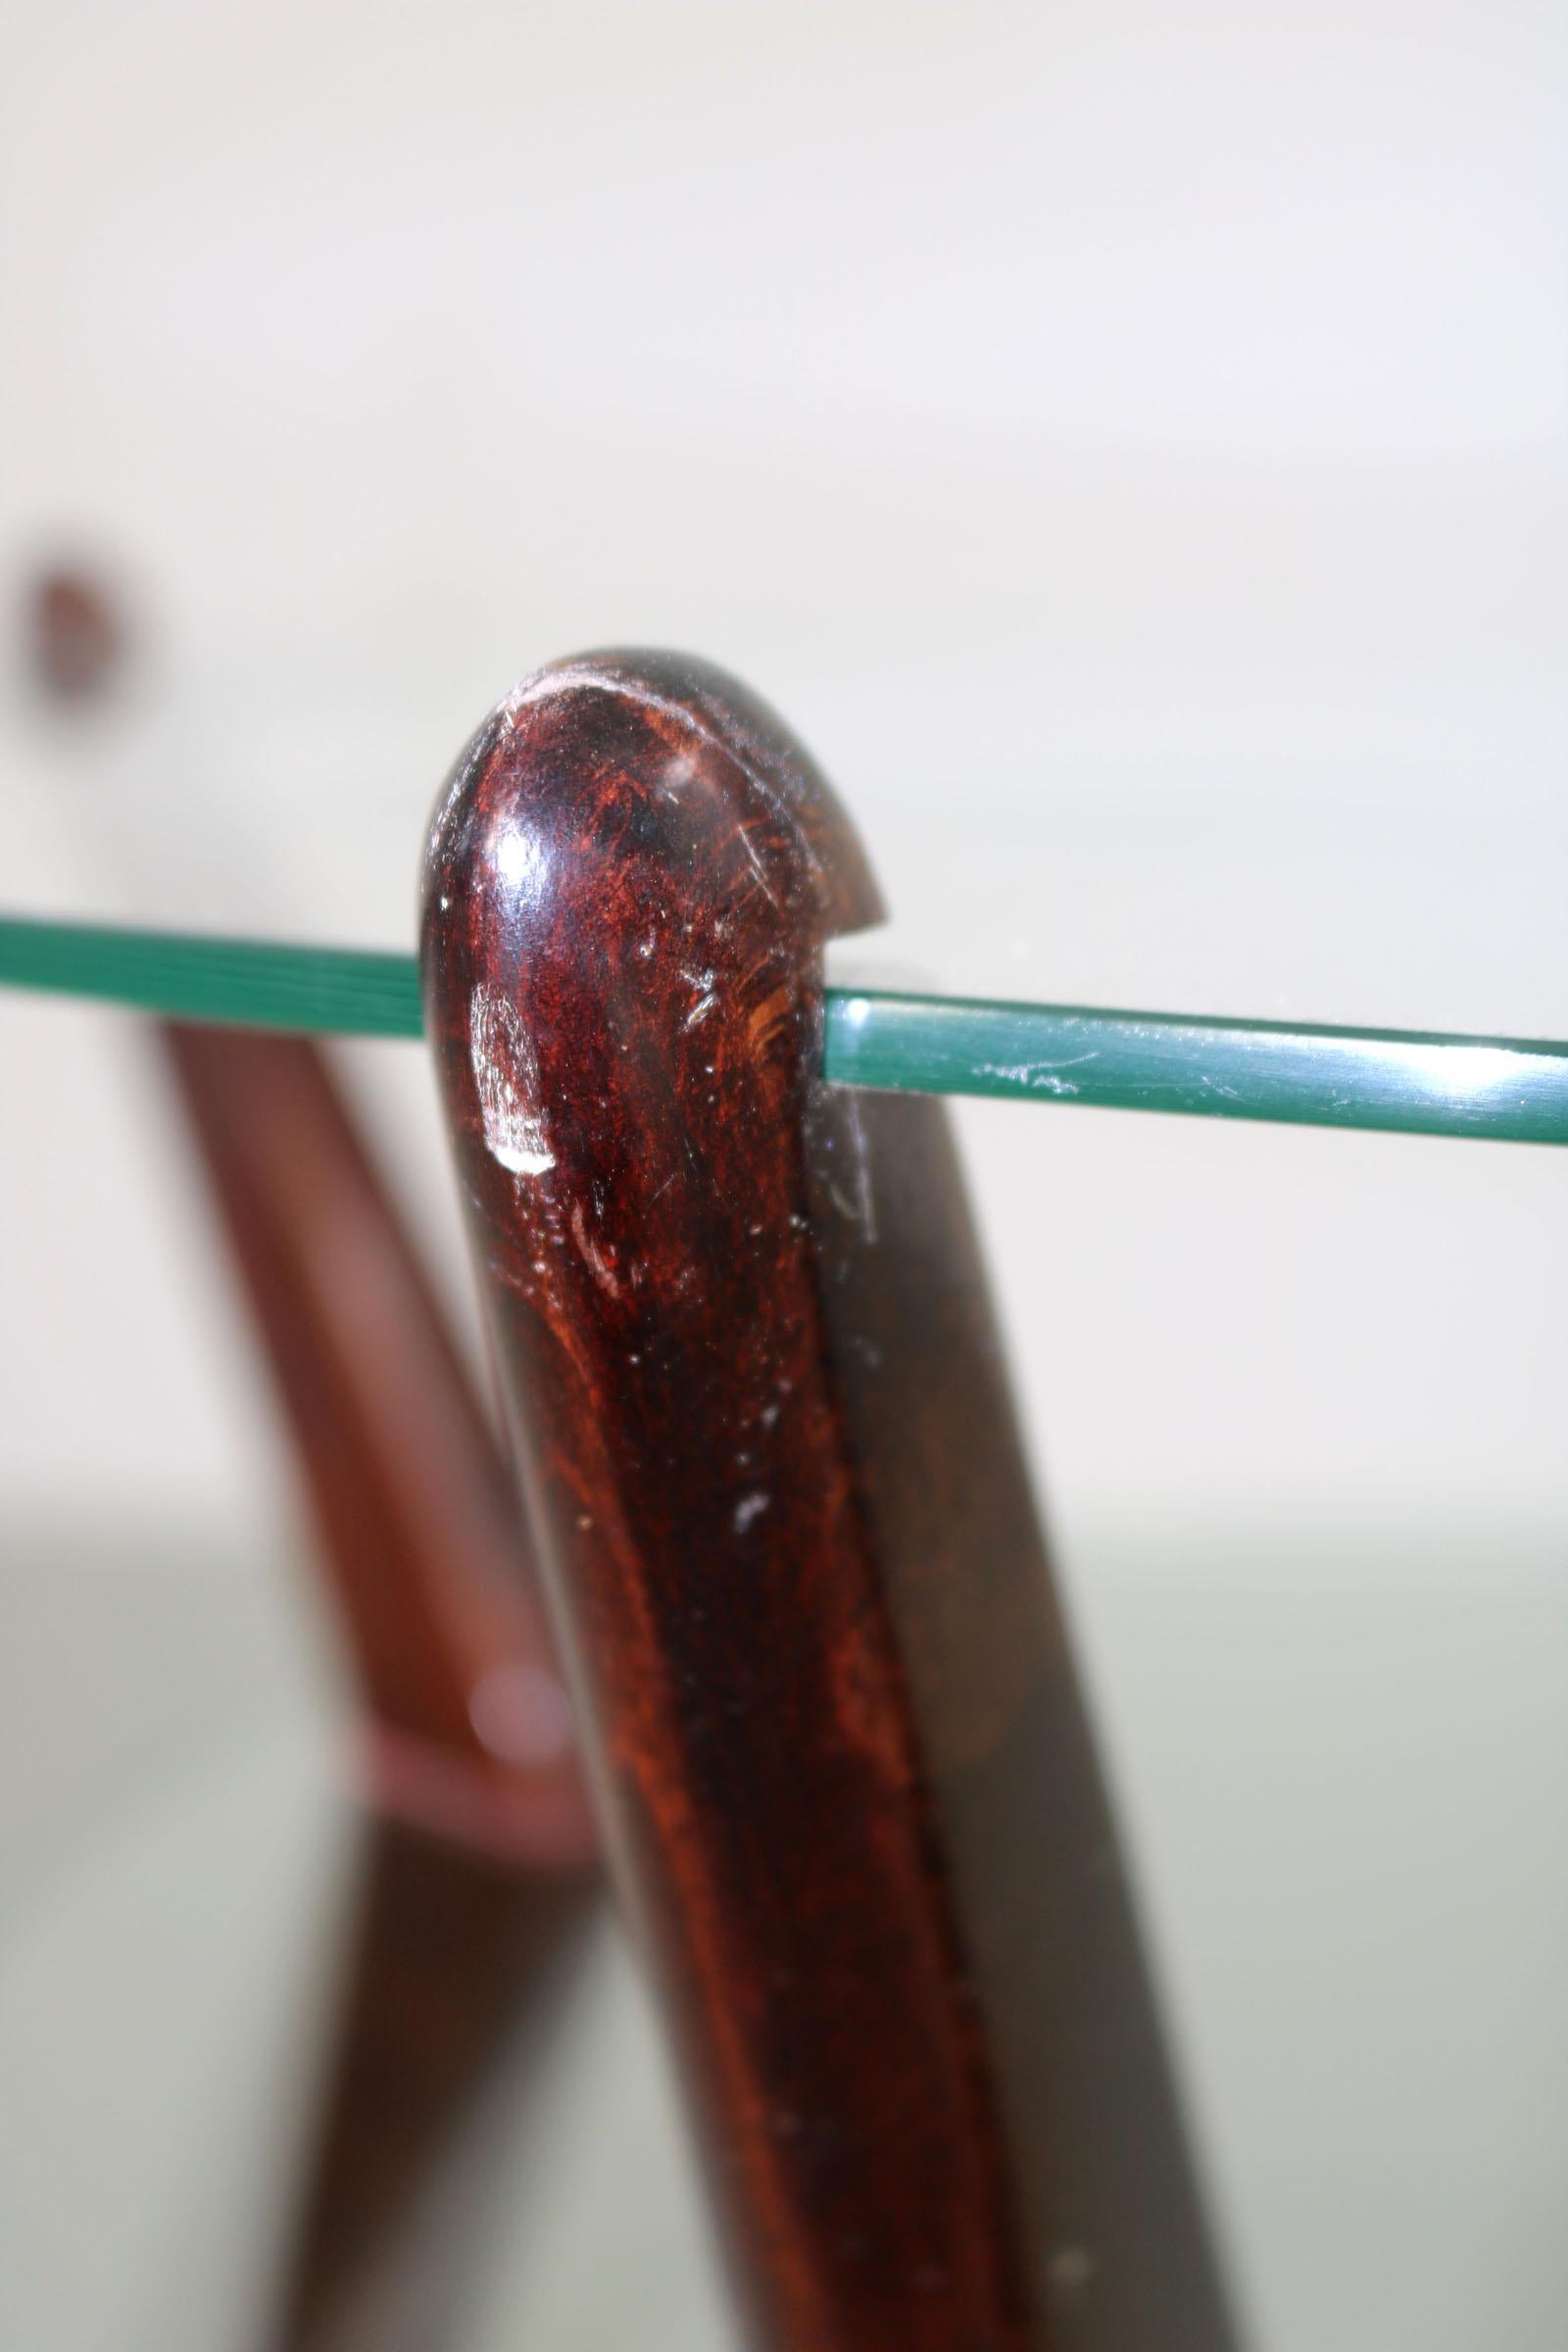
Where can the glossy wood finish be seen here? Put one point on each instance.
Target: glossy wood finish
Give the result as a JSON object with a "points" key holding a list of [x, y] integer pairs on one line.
{"points": [[420, 1538], [844, 1768]]}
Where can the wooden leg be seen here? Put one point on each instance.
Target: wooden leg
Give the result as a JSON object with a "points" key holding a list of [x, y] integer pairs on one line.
{"points": [[844, 1770], [476, 1880], [420, 1538], [474, 1890]]}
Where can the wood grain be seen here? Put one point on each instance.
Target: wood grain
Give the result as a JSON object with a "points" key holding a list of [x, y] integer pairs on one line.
{"points": [[844, 1770]]}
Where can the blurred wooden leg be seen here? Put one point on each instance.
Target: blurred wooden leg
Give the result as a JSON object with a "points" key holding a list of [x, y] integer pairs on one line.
{"points": [[421, 1542], [457, 1970], [477, 1885], [846, 1774]]}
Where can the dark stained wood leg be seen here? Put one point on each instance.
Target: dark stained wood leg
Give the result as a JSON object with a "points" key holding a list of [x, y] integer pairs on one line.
{"points": [[844, 1770], [421, 1542]]}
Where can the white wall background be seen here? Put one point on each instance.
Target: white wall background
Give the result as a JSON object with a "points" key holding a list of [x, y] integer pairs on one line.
{"points": [[1132, 445]]}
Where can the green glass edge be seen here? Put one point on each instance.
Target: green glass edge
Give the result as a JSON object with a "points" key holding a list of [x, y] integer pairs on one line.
{"points": [[1415, 1082], [261, 984]]}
